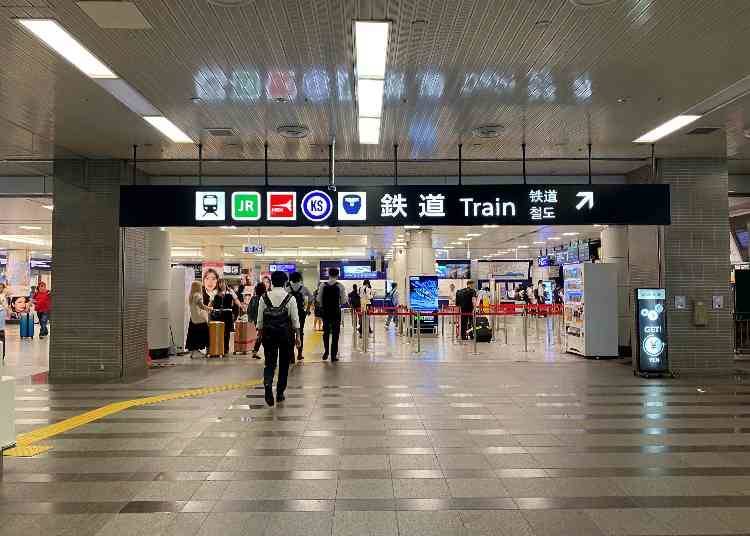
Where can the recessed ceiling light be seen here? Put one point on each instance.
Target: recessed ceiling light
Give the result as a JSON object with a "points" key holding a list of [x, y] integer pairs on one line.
{"points": [[623, 100], [30, 227], [474, 234], [571, 234], [228, 227], [667, 128], [523, 247], [597, 225], [537, 243], [412, 227], [49, 207], [58, 39], [554, 238], [490, 226], [462, 239], [399, 236], [322, 227], [169, 129]]}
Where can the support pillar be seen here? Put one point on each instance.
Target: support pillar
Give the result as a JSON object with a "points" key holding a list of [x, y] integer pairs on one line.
{"points": [[615, 251], [398, 273], [695, 260], [420, 255], [696, 263], [100, 286], [158, 281]]}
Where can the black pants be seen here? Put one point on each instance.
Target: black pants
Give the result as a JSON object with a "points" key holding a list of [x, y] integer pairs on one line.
{"points": [[302, 335], [332, 329], [466, 321], [280, 352]]}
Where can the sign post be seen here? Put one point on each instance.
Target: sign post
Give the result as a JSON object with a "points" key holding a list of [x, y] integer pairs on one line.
{"points": [[651, 356]]}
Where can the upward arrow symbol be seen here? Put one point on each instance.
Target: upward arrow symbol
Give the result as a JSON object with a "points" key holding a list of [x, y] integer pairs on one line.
{"points": [[587, 198]]}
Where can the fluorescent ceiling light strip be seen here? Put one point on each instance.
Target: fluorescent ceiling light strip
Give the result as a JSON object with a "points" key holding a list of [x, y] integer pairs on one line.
{"points": [[128, 95], [370, 56], [370, 97], [169, 129], [369, 130], [667, 128], [371, 48], [58, 39]]}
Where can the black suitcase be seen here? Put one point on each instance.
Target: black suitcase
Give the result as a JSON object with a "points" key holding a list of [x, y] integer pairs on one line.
{"points": [[483, 329]]}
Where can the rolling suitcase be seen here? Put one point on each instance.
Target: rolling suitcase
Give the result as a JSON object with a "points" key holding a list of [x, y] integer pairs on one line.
{"points": [[215, 339], [244, 337], [484, 331], [27, 325]]}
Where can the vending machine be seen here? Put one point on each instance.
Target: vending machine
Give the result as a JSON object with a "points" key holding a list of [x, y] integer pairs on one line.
{"points": [[590, 311]]}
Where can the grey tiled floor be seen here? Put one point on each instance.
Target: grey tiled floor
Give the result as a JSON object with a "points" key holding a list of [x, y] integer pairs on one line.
{"points": [[393, 443]]}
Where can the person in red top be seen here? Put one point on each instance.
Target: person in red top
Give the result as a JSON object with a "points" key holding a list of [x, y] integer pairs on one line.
{"points": [[42, 305]]}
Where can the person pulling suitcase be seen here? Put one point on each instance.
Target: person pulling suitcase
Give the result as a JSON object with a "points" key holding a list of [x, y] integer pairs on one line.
{"points": [[279, 327]]}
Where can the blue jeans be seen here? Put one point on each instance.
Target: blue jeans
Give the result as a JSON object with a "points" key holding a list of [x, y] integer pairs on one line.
{"points": [[43, 319]]}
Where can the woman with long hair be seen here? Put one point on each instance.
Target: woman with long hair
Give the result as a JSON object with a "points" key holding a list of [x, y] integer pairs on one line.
{"points": [[222, 305], [210, 285], [197, 335], [252, 314]]}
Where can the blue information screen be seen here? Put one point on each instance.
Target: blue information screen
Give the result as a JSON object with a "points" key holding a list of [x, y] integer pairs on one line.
{"points": [[423, 293]]}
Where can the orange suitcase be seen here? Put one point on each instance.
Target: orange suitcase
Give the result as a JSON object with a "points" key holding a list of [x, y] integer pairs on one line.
{"points": [[244, 337], [215, 339]]}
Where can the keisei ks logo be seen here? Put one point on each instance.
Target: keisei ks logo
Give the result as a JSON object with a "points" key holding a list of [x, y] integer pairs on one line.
{"points": [[282, 206], [352, 206], [317, 206]]}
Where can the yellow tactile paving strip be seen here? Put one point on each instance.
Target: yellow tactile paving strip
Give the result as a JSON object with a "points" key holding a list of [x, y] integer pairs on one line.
{"points": [[25, 443]]}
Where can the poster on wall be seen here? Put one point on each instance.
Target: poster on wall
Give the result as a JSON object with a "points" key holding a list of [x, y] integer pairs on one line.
{"points": [[651, 327]]}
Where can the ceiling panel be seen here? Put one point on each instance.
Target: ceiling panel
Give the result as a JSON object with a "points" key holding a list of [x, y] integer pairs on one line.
{"points": [[550, 73]]}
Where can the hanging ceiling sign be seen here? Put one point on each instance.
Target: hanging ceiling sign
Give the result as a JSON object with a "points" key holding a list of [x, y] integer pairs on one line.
{"points": [[537, 204]]}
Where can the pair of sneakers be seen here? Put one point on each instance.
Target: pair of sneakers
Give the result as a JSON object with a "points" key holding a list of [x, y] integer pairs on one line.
{"points": [[333, 359]]}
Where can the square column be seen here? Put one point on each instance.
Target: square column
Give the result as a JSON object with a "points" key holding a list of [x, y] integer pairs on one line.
{"points": [[99, 305], [696, 263]]}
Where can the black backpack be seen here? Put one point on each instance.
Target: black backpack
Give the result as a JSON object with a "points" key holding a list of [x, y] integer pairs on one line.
{"points": [[331, 300], [276, 322], [300, 299]]}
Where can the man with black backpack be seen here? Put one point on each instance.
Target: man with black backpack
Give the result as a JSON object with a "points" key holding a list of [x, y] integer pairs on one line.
{"points": [[303, 297], [279, 327], [331, 296]]}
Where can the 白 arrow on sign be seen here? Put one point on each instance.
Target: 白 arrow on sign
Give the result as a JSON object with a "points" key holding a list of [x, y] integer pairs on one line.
{"points": [[587, 198]]}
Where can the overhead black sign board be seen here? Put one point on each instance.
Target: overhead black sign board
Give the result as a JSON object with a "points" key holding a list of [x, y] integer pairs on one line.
{"points": [[150, 206], [651, 327]]}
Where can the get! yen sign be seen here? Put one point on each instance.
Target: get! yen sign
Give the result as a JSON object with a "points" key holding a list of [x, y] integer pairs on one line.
{"points": [[246, 206]]}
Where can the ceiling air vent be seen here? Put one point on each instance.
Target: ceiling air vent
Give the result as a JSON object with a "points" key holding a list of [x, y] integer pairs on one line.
{"points": [[702, 130], [293, 131], [488, 131], [221, 132], [230, 3]]}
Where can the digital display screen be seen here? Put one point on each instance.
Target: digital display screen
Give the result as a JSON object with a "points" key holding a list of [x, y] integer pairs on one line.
{"points": [[651, 322], [288, 268], [584, 252], [423, 293], [544, 261], [743, 238], [446, 269], [353, 271]]}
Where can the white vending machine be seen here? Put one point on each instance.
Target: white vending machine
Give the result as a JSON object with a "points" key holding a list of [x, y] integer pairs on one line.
{"points": [[590, 310]]}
